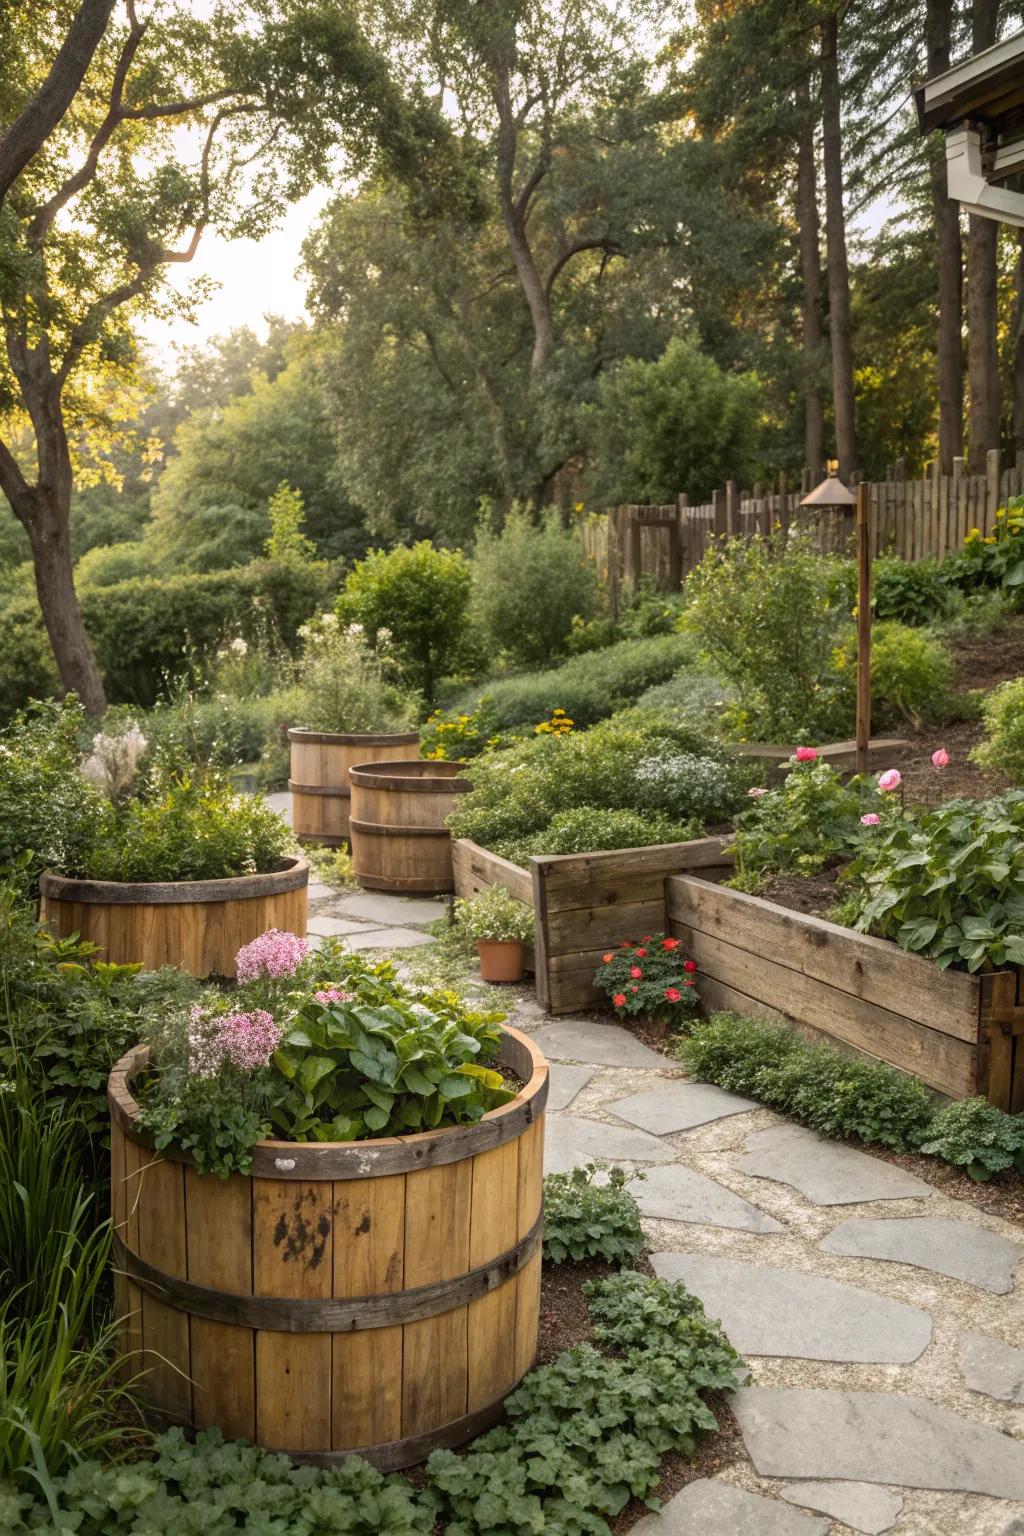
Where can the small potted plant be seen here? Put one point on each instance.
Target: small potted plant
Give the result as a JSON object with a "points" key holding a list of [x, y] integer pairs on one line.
{"points": [[651, 980], [501, 928]]}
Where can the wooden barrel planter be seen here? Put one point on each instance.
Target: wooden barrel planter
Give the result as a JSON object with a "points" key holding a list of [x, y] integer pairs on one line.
{"points": [[399, 838], [198, 925], [373, 1297], [319, 782]]}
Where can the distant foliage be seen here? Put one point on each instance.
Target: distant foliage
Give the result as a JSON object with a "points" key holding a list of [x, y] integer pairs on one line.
{"points": [[287, 543], [48, 814], [914, 592], [531, 582], [1002, 749], [419, 595], [106, 564], [584, 1219]]}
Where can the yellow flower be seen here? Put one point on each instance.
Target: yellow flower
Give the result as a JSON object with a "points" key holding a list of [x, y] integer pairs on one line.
{"points": [[990, 540], [1001, 512]]}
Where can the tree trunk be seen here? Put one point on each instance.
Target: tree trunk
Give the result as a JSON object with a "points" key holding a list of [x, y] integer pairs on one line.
{"points": [[982, 293], [810, 271], [835, 240], [51, 552], [1018, 354], [950, 347]]}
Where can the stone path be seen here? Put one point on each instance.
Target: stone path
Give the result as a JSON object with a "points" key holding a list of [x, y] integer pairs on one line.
{"points": [[883, 1321]]}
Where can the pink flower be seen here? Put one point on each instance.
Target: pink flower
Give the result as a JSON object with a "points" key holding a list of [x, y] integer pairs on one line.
{"points": [[755, 794], [870, 820], [635, 972], [687, 982], [940, 759], [248, 1040], [891, 779], [333, 995], [274, 954], [673, 994], [807, 754]]}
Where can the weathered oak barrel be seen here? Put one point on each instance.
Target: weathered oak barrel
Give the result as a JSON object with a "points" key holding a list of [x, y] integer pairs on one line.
{"points": [[319, 782], [399, 838], [379, 1297], [198, 925]]}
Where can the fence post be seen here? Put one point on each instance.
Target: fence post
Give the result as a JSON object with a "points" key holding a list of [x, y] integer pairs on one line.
{"points": [[732, 509], [718, 510], [993, 471]]}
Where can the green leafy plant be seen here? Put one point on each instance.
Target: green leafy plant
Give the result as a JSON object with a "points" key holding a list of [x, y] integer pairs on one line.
{"points": [[587, 1220], [652, 979], [47, 811], [837, 1095], [455, 735], [345, 683], [591, 828], [915, 592], [495, 914], [911, 676], [1002, 750], [799, 826], [946, 883], [530, 582], [996, 559], [420, 596], [977, 1137]]}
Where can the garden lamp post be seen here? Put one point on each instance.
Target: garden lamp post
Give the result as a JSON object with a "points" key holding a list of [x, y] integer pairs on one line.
{"points": [[832, 495]]}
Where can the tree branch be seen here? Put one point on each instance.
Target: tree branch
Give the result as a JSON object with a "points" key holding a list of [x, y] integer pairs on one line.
{"points": [[31, 129], [609, 247], [530, 186]]}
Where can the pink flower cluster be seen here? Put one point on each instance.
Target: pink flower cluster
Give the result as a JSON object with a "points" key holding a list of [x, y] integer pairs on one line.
{"points": [[333, 995], [248, 1040], [807, 754], [274, 954]]}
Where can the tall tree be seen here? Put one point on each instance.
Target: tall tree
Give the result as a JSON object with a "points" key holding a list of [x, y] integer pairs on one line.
{"points": [[837, 263], [1018, 353], [949, 344], [103, 200], [808, 224], [982, 295]]}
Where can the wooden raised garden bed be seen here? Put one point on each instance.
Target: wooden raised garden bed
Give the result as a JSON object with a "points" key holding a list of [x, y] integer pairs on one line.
{"points": [[957, 1033], [585, 902], [379, 1297], [199, 925]]}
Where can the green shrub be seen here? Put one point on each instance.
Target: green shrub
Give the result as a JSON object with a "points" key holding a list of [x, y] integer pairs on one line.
{"points": [[591, 829], [768, 614], [635, 761], [419, 597], [996, 560], [585, 1220], [107, 564], [977, 1137], [186, 828], [837, 1095], [589, 688], [495, 914], [1002, 750], [800, 826], [650, 611], [455, 735], [530, 582], [911, 676], [27, 668], [345, 685], [49, 815], [911, 592], [694, 695], [946, 883]]}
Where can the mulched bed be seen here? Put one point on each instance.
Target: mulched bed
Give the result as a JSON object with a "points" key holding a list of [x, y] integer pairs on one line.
{"points": [[565, 1321]]}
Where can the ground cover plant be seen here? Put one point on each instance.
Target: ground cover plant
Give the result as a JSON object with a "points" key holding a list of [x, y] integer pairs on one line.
{"points": [[585, 1218], [842, 1096]]}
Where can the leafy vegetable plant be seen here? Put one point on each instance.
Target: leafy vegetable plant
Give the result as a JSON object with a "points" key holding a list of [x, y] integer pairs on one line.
{"points": [[977, 1137], [587, 1220], [801, 826]]}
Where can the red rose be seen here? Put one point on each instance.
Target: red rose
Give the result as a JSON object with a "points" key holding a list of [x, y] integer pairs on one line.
{"points": [[670, 943], [673, 995], [689, 966], [619, 999], [608, 958], [644, 938], [687, 982], [640, 952], [635, 972], [634, 989]]}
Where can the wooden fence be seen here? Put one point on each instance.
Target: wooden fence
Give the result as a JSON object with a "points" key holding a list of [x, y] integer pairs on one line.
{"points": [[916, 519]]}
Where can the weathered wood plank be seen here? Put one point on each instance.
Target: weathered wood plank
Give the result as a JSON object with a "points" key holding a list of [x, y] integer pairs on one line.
{"points": [[218, 1229], [491, 1320], [369, 1259], [566, 870], [477, 868], [437, 1229], [869, 968]]}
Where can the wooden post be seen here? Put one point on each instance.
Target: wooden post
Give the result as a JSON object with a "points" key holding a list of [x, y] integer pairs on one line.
{"points": [[718, 512], [993, 473], [863, 626], [732, 509]]}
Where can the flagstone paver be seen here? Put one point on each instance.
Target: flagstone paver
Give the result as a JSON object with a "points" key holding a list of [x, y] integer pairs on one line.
{"points": [[602, 1045], [382, 907], [788, 1312], [337, 927], [570, 1142], [674, 1192], [992, 1367], [708, 1507], [875, 1437], [386, 938], [861, 1506], [827, 1172], [679, 1106], [317, 891], [566, 1083], [960, 1249]]}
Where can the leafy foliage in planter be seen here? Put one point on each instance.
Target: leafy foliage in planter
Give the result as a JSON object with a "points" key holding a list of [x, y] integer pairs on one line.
{"points": [[590, 829], [837, 1095], [495, 914], [48, 815], [947, 884], [585, 1220]]}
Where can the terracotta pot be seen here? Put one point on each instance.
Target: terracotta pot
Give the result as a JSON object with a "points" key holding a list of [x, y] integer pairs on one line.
{"points": [[500, 959]]}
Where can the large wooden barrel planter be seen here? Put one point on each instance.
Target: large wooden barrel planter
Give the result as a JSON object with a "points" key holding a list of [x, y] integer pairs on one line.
{"points": [[198, 925], [319, 782], [399, 838], [373, 1297]]}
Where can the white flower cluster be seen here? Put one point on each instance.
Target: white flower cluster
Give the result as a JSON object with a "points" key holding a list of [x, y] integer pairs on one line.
{"points": [[114, 760]]}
